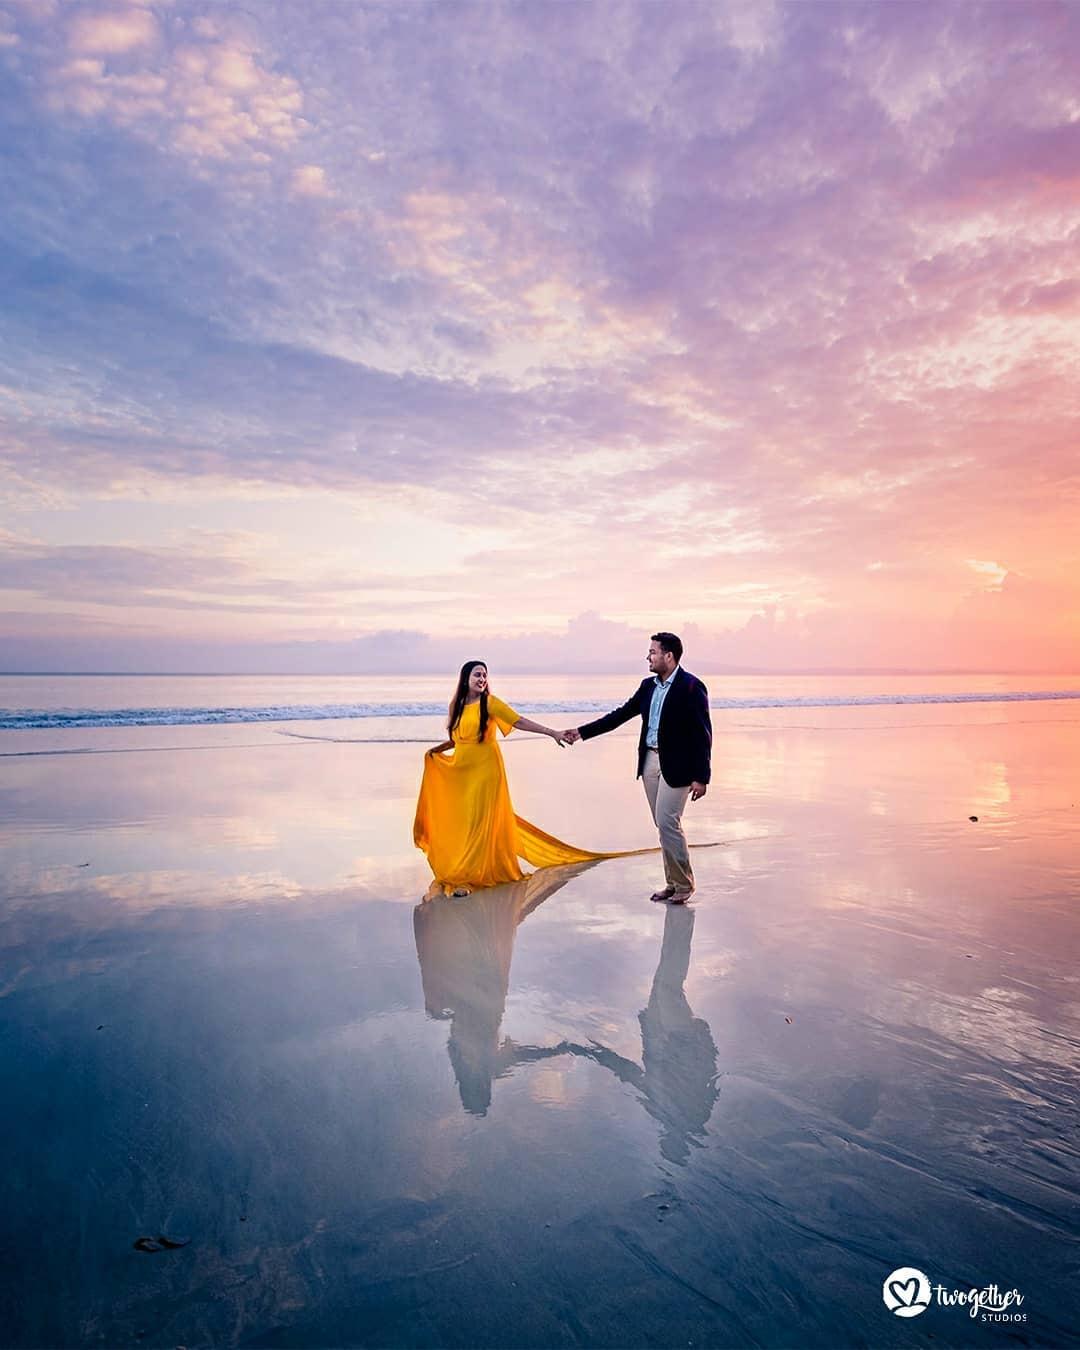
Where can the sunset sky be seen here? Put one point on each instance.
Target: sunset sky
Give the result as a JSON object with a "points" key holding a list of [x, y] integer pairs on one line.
{"points": [[342, 337]]}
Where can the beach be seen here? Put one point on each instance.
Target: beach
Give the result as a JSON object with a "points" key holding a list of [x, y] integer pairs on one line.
{"points": [[550, 1114]]}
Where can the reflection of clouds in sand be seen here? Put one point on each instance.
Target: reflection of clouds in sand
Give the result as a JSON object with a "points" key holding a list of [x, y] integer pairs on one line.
{"points": [[746, 829], [878, 802], [164, 888], [412, 1095], [149, 889], [732, 861], [23, 882], [748, 849], [717, 964], [998, 1022], [845, 894], [152, 889], [310, 805], [902, 772], [549, 1086], [991, 793], [223, 850], [606, 919], [248, 833], [767, 765], [398, 879], [912, 1082]]}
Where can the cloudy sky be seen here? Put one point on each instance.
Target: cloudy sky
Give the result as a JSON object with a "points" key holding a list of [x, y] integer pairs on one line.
{"points": [[338, 336]]}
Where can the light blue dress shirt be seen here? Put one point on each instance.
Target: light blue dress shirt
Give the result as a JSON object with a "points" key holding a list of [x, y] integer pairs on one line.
{"points": [[660, 693]]}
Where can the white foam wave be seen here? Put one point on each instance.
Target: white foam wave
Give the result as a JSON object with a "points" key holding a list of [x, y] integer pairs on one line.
{"points": [[40, 719]]}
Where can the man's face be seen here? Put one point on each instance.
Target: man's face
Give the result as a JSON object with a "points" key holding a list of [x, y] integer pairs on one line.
{"points": [[660, 662]]}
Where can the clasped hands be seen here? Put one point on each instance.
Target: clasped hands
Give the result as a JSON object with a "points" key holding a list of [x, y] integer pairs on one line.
{"points": [[563, 738]]}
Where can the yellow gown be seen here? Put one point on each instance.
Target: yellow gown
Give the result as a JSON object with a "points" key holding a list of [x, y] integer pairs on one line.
{"points": [[465, 822]]}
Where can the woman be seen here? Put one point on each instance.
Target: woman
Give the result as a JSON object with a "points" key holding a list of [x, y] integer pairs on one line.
{"points": [[465, 822]]}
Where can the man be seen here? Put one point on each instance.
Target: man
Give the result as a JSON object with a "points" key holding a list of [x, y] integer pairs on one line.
{"points": [[673, 752]]}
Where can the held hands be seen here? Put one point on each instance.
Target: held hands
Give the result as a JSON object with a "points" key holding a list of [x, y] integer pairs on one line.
{"points": [[562, 738], [697, 790]]}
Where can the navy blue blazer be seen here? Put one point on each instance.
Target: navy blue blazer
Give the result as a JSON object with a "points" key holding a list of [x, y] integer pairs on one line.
{"points": [[685, 735]]}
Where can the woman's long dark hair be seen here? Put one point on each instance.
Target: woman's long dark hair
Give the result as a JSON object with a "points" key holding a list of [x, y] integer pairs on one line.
{"points": [[457, 707]]}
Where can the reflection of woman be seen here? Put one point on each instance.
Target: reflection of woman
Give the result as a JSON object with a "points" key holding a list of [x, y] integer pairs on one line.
{"points": [[465, 822], [465, 949]]}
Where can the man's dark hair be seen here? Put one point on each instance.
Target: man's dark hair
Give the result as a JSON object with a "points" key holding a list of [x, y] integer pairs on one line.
{"points": [[669, 643]]}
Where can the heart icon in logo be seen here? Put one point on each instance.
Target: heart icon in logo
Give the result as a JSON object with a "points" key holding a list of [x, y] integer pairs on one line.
{"points": [[905, 1293]]}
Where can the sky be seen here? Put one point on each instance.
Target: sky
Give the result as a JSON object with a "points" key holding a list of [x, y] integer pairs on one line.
{"points": [[344, 337]]}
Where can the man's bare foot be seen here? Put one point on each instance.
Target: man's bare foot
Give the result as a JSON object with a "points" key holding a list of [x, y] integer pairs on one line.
{"points": [[665, 894]]}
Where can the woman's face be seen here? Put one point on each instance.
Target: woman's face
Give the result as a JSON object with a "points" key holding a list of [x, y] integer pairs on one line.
{"points": [[477, 681]]}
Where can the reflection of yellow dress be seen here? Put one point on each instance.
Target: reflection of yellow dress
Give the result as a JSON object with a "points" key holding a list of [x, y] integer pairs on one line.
{"points": [[465, 822]]}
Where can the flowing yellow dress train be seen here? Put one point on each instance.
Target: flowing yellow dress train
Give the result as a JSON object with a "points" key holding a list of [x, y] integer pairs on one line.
{"points": [[465, 822]]}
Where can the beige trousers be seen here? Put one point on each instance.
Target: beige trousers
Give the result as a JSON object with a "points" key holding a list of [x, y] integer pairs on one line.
{"points": [[666, 804]]}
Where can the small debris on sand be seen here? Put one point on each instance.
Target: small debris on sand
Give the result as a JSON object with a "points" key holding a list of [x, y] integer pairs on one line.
{"points": [[159, 1243]]}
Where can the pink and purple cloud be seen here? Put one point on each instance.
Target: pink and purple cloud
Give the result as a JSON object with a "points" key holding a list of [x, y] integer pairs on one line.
{"points": [[333, 321]]}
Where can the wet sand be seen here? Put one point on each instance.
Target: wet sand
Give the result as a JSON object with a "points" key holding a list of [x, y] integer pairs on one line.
{"points": [[552, 1114]]}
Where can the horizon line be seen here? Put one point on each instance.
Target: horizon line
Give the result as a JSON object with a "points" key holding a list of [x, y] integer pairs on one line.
{"points": [[532, 670]]}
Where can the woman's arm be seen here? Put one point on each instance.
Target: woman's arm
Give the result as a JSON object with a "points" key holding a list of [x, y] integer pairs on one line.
{"points": [[523, 724]]}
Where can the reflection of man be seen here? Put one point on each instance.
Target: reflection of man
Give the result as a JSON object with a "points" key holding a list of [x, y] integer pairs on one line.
{"points": [[674, 751], [678, 1081], [677, 1048]]}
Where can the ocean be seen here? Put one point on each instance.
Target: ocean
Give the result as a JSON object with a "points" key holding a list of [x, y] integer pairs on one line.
{"points": [[41, 702]]}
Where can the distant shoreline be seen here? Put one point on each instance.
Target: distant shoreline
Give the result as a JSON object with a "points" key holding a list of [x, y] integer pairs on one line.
{"points": [[709, 672]]}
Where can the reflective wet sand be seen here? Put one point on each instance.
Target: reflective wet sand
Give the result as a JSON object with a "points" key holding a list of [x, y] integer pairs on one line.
{"points": [[554, 1113]]}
